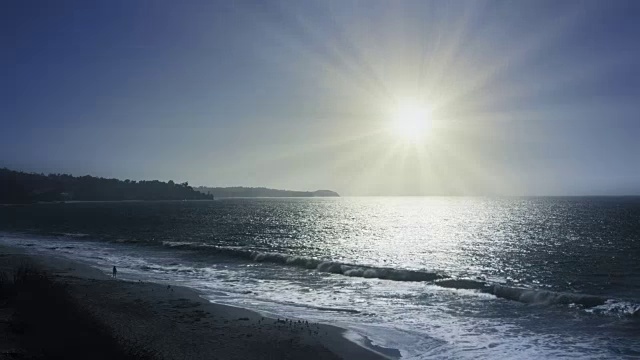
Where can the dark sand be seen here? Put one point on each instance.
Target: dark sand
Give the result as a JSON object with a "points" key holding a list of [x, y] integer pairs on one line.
{"points": [[176, 323]]}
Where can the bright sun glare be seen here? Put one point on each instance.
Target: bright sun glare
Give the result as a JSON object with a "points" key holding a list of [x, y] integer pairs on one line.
{"points": [[411, 122]]}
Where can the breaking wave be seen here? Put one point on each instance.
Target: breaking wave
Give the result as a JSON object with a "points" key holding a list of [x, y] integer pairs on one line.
{"points": [[620, 308], [524, 295], [545, 297], [314, 264], [595, 304]]}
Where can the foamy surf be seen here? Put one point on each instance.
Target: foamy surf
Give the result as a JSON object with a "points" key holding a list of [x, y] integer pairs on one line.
{"points": [[519, 294], [425, 319]]}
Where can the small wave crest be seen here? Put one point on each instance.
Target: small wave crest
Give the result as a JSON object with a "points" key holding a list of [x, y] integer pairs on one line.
{"points": [[524, 295], [70, 235], [313, 264], [619, 308], [544, 297], [594, 304]]}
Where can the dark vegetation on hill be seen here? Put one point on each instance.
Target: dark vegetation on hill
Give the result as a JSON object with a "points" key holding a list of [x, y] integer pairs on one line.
{"points": [[240, 191], [20, 187], [45, 322]]}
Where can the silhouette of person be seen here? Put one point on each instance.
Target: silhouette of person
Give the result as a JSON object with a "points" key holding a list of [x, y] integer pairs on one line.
{"points": [[115, 272]]}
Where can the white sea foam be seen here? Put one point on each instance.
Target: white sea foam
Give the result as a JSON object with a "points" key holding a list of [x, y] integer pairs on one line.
{"points": [[428, 319]]}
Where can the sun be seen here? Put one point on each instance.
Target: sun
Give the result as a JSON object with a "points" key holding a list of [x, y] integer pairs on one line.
{"points": [[411, 122]]}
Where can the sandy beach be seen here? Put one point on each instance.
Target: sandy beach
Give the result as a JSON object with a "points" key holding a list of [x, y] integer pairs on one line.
{"points": [[174, 322]]}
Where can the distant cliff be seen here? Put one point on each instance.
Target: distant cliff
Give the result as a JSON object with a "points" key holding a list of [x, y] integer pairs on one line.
{"points": [[239, 191], [19, 187]]}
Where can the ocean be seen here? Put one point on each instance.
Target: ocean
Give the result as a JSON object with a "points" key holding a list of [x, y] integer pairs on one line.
{"points": [[435, 277]]}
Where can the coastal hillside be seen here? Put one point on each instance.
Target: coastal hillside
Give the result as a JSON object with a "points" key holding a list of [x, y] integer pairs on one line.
{"points": [[239, 191], [20, 187]]}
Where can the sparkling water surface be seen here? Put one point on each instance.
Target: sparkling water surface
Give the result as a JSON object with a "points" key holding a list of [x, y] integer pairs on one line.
{"points": [[449, 277]]}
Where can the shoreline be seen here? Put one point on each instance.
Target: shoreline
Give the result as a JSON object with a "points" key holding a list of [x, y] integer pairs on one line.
{"points": [[176, 321]]}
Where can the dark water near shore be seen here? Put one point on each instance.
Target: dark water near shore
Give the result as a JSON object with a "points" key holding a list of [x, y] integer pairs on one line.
{"points": [[434, 277]]}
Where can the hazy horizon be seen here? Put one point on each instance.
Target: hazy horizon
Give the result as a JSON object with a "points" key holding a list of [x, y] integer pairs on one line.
{"points": [[196, 186], [362, 98]]}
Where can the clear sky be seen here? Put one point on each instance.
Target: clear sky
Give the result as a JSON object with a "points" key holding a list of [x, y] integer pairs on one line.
{"points": [[504, 97]]}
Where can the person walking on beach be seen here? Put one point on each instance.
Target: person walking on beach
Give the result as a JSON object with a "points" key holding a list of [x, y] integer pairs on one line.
{"points": [[115, 272]]}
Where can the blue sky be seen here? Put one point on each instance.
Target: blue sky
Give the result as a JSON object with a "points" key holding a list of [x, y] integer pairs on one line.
{"points": [[528, 97]]}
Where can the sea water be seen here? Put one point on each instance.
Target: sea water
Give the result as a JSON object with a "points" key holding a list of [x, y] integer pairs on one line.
{"points": [[435, 277]]}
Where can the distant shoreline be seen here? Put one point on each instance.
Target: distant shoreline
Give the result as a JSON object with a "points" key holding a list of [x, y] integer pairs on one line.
{"points": [[217, 198], [257, 192], [103, 201], [161, 201]]}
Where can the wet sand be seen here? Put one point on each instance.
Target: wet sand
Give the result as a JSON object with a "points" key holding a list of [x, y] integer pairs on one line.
{"points": [[176, 323]]}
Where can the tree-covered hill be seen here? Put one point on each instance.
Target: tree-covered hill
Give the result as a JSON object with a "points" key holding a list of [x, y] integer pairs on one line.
{"points": [[19, 187]]}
